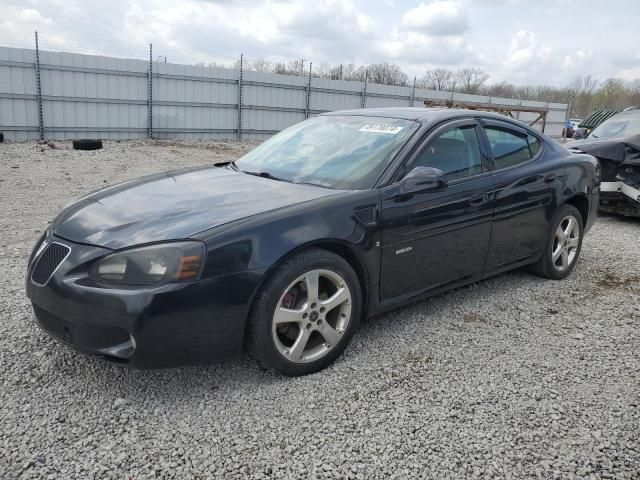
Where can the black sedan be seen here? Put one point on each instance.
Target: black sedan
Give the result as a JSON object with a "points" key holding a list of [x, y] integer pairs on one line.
{"points": [[286, 250]]}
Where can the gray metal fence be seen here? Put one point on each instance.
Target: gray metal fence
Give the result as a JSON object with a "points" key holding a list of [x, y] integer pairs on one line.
{"points": [[57, 95]]}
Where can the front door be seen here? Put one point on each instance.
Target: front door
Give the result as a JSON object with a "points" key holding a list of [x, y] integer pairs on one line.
{"points": [[437, 238]]}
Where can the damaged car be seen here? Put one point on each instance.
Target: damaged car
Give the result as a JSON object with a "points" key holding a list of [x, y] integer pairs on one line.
{"points": [[331, 221], [616, 144]]}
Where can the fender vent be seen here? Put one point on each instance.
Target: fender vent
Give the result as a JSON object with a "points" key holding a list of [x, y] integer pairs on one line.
{"points": [[365, 214]]}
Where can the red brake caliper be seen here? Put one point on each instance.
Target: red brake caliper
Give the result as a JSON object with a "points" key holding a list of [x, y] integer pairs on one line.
{"points": [[289, 298]]}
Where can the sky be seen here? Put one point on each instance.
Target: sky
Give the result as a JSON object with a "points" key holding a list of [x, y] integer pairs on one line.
{"points": [[519, 41]]}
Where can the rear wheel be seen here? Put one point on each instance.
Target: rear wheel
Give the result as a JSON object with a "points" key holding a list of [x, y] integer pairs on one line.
{"points": [[563, 246], [306, 313]]}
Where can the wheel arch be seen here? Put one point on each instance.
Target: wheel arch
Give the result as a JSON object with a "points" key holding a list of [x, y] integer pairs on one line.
{"points": [[581, 202], [335, 246]]}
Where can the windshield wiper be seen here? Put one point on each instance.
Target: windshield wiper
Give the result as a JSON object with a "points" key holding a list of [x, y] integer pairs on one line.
{"points": [[312, 184], [266, 175], [231, 164]]}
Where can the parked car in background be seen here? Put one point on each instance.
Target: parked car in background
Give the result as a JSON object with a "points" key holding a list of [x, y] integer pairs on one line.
{"points": [[575, 122], [616, 144], [333, 220], [567, 131]]}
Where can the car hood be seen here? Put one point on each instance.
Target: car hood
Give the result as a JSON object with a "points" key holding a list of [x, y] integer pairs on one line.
{"points": [[617, 149], [175, 205]]}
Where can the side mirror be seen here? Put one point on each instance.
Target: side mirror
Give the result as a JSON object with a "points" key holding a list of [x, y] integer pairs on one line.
{"points": [[580, 133], [422, 180]]}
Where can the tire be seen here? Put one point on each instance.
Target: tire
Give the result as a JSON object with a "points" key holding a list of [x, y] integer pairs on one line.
{"points": [[1, 137], [87, 144], [303, 336], [557, 270]]}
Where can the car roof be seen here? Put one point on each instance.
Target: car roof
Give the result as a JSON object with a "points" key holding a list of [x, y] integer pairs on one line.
{"points": [[423, 115]]}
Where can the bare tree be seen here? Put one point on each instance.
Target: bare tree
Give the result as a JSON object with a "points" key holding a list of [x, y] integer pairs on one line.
{"points": [[584, 84], [611, 94], [503, 89], [634, 92], [387, 74], [470, 80], [583, 93], [437, 79], [261, 65], [293, 67], [325, 70], [258, 65], [354, 72], [214, 64], [582, 89]]}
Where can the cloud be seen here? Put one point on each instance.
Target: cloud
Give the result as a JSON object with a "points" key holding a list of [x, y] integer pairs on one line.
{"points": [[416, 47], [292, 29], [530, 60], [19, 21], [429, 35], [578, 59], [327, 19], [30, 15], [526, 51], [531, 45], [437, 18]]}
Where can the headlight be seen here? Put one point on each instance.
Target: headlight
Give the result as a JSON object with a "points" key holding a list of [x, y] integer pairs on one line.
{"points": [[167, 262]]}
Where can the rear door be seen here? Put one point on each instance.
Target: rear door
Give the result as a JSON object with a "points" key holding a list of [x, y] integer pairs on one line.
{"points": [[525, 194], [437, 238]]}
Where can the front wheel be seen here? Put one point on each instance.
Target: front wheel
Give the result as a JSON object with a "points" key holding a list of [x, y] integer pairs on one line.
{"points": [[563, 246], [305, 314]]}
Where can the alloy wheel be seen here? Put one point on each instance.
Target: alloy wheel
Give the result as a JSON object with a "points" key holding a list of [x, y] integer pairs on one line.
{"points": [[311, 316], [565, 243]]}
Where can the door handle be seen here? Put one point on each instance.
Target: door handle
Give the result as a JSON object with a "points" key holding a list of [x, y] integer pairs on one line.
{"points": [[551, 177], [478, 199]]}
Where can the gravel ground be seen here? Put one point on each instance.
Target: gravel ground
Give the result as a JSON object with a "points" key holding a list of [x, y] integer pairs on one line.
{"points": [[514, 377]]}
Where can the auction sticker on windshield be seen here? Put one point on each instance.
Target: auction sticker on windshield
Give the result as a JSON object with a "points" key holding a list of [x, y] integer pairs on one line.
{"points": [[380, 128]]}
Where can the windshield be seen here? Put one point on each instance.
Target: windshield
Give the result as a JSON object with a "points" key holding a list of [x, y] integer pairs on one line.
{"points": [[621, 125], [342, 152]]}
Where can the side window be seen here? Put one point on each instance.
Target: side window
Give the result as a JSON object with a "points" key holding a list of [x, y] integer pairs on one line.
{"points": [[510, 147], [455, 151]]}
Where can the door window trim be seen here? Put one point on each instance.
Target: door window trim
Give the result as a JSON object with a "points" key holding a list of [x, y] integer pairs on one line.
{"points": [[490, 122]]}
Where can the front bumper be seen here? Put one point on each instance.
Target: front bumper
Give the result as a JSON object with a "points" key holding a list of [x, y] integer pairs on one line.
{"points": [[146, 327], [620, 197]]}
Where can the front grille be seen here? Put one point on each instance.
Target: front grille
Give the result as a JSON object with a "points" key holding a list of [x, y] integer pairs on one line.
{"points": [[53, 324], [48, 262]]}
